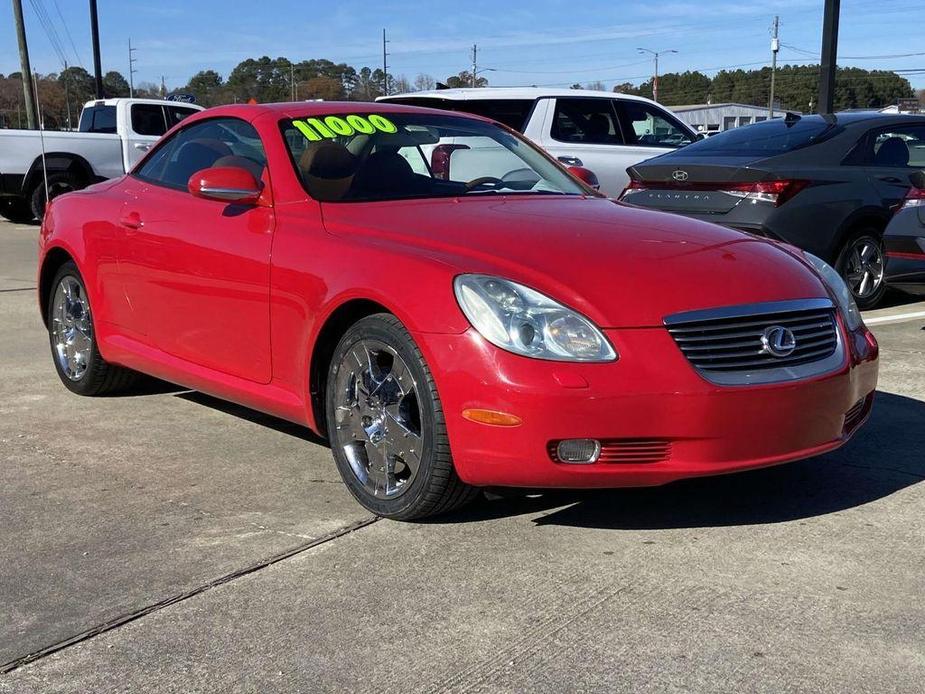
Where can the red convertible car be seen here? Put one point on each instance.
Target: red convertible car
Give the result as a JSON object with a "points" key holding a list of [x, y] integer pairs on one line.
{"points": [[448, 306]]}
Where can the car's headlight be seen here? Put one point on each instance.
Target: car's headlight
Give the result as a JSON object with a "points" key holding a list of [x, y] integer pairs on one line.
{"points": [[523, 321], [843, 295]]}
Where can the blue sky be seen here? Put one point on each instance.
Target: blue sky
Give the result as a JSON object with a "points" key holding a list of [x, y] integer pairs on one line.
{"points": [[535, 42]]}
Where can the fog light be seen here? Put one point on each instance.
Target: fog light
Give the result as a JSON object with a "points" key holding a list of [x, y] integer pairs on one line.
{"points": [[578, 450]]}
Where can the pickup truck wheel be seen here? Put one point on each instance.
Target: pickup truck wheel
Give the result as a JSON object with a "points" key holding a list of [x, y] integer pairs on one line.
{"points": [[58, 184], [74, 347], [386, 424], [16, 210]]}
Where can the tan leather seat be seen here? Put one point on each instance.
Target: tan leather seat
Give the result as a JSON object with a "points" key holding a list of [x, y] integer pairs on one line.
{"points": [[327, 169]]}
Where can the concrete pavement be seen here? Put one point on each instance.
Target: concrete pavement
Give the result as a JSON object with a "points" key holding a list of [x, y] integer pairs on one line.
{"points": [[167, 542]]}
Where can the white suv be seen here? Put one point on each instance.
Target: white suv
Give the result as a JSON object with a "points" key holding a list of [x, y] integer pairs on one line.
{"points": [[602, 131]]}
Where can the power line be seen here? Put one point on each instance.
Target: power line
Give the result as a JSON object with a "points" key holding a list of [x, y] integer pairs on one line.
{"points": [[49, 29], [67, 33]]}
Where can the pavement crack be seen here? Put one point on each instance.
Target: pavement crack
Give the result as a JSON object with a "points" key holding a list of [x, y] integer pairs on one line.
{"points": [[19, 289], [123, 619]]}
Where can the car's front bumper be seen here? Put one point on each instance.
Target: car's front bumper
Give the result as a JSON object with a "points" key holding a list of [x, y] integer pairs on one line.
{"points": [[650, 398]]}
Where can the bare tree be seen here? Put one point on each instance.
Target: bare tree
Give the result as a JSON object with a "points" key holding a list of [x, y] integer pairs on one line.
{"points": [[401, 85], [423, 83]]}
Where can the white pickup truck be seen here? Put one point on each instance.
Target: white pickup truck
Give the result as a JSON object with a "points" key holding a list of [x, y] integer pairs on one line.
{"points": [[112, 136]]}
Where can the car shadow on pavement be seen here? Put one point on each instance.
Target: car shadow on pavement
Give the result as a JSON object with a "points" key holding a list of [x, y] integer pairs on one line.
{"points": [[266, 420], [885, 456]]}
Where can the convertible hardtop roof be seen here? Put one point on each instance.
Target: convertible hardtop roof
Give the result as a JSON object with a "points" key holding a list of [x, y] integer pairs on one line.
{"points": [[299, 109]]}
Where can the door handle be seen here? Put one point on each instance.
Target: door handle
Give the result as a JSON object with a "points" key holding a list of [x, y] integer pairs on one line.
{"points": [[143, 146], [570, 160], [889, 179], [131, 220]]}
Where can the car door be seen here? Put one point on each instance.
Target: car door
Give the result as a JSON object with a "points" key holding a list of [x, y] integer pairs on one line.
{"points": [[891, 155], [584, 131], [197, 272]]}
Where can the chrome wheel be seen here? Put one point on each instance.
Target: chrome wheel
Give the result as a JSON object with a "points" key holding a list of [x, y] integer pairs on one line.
{"points": [[864, 267], [71, 329], [377, 418]]}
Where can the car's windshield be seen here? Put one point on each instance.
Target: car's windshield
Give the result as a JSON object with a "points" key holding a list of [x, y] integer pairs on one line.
{"points": [[370, 156], [765, 139]]}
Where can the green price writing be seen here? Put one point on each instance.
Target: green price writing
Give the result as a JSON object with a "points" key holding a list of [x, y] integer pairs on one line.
{"points": [[329, 127]]}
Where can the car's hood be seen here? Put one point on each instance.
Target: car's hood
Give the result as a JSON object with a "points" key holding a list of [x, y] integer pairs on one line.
{"points": [[620, 266]]}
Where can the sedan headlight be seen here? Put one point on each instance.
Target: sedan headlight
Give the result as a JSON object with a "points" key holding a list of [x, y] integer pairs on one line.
{"points": [[843, 295], [523, 321]]}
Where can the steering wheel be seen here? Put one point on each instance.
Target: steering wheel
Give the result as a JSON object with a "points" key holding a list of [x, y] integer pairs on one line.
{"points": [[483, 180]]}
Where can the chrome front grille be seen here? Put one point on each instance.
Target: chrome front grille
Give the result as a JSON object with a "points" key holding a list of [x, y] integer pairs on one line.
{"points": [[760, 343]]}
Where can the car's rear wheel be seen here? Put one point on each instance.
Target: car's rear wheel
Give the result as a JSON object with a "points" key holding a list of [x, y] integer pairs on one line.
{"points": [[16, 210], [74, 346], [386, 426], [862, 264]]}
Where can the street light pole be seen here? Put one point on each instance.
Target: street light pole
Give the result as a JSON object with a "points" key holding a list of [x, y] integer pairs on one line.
{"points": [[655, 80]]}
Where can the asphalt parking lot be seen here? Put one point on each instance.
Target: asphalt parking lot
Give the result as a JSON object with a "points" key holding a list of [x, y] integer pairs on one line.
{"points": [[169, 542]]}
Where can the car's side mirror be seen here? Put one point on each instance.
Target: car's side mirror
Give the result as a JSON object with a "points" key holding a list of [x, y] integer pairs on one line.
{"points": [[226, 183], [586, 176]]}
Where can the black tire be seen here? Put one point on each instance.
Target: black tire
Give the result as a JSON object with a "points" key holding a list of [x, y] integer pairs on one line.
{"points": [[98, 376], [58, 184], [845, 265], [16, 210], [435, 487]]}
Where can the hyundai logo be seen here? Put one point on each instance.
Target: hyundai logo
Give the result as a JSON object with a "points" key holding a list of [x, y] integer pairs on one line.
{"points": [[679, 175], [778, 341]]}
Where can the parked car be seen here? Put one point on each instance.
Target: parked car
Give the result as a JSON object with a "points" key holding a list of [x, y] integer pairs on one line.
{"points": [[828, 184], [112, 136], [905, 240], [601, 131], [444, 334]]}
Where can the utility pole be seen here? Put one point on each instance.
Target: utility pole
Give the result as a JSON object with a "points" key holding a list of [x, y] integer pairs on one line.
{"points": [[27, 90], [291, 82], [163, 88], [385, 66], [131, 68], [827, 64], [775, 46], [95, 35], [67, 95], [655, 79], [475, 64]]}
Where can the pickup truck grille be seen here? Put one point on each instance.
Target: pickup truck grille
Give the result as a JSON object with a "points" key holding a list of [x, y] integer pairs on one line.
{"points": [[736, 345]]}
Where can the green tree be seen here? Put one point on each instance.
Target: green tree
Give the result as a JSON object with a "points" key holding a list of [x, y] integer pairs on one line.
{"points": [[464, 79], [263, 79], [114, 84], [207, 86]]}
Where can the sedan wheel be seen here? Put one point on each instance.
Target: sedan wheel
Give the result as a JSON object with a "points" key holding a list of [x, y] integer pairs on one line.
{"points": [[386, 425], [862, 265]]}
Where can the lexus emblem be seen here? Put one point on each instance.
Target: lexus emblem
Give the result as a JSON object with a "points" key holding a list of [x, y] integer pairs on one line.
{"points": [[679, 175], [778, 341]]}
